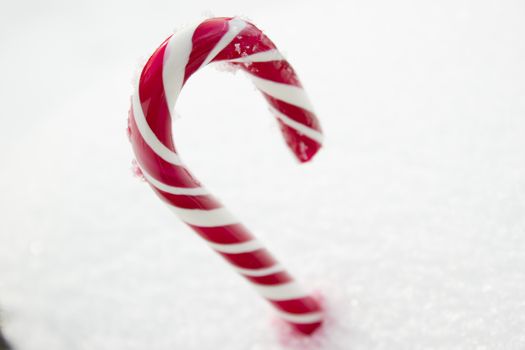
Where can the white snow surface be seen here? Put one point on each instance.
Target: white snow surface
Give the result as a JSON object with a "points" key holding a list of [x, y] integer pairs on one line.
{"points": [[410, 222]]}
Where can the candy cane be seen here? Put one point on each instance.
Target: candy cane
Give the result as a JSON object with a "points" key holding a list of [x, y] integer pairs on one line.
{"points": [[242, 44]]}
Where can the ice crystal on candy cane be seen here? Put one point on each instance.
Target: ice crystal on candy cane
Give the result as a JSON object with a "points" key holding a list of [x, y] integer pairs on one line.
{"points": [[137, 172]]}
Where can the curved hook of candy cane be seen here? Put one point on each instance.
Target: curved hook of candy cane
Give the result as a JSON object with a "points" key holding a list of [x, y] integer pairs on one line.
{"points": [[239, 43]]}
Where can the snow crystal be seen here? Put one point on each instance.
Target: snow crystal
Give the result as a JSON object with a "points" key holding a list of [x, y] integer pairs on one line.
{"points": [[226, 67], [237, 47]]}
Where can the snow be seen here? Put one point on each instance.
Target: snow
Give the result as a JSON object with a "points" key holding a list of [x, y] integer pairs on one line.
{"points": [[409, 223]]}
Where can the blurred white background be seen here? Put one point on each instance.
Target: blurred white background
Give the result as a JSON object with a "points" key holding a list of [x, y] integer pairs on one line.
{"points": [[410, 221]]}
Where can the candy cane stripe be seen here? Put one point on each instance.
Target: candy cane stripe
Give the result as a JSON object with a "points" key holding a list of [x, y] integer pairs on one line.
{"points": [[264, 56], [288, 93], [258, 259], [205, 202], [267, 71], [295, 113], [260, 272], [238, 43], [290, 290], [188, 191], [234, 27], [235, 233], [176, 58], [271, 279], [149, 136], [303, 318], [236, 248], [205, 218], [157, 167], [301, 128], [297, 306]]}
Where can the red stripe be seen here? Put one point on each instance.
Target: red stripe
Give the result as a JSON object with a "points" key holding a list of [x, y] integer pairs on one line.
{"points": [[257, 259], [153, 98], [277, 71], [307, 328], [249, 41], [204, 39], [296, 113], [235, 233], [297, 306], [154, 165], [303, 147], [189, 202], [274, 278]]}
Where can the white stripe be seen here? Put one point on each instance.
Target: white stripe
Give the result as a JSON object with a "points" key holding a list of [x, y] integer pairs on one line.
{"points": [[301, 128], [288, 93], [205, 218], [260, 272], [311, 317], [148, 135], [193, 191], [175, 59], [235, 26], [285, 291], [265, 56], [237, 248]]}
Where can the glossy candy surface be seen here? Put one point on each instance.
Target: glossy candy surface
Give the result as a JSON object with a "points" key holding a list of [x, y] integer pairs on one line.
{"points": [[242, 44]]}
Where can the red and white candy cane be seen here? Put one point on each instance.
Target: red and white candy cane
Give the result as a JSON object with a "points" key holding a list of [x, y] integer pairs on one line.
{"points": [[242, 44]]}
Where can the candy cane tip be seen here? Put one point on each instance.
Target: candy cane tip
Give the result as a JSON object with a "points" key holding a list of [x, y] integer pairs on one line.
{"points": [[305, 152]]}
